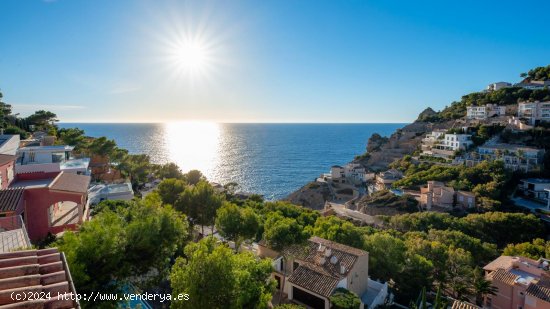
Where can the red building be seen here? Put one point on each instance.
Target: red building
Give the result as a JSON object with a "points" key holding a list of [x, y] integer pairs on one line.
{"points": [[47, 202], [7, 163]]}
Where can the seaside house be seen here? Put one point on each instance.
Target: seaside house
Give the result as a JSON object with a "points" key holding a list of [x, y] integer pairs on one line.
{"points": [[535, 188], [313, 273], [534, 112], [533, 84], [48, 159], [515, 157], [431, 139], [384, 180], [498, 86], [484, 112], [115, 191], [521, 283], [36, 272], [450, 144], [435, 193], [351, 173], [46, 202]]}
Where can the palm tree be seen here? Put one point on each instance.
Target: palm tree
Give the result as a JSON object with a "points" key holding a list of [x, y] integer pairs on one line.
{"points": [[482, 287], [439, 302]]}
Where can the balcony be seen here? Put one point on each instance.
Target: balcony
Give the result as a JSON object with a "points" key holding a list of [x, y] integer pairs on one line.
{"points": [[13, 234]]}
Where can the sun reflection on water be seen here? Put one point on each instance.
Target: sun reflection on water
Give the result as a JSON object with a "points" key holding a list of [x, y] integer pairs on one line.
{"points": [[193, 145]]}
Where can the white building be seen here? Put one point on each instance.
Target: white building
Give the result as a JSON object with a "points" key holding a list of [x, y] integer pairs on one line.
{"points": [[515, 157], [101, 192], [431, 139], [497, 86], [534, 112], [447, 146], [484, 112], [533, 84], [49, 159], [536, 188], [353, 173], [9, 144]]}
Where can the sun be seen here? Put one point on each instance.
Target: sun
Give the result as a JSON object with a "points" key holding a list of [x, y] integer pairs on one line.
{"points": [[191, 56]]}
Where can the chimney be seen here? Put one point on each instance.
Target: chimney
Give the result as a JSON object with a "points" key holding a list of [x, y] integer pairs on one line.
{"points": [[342, 269], [328, 252], [429, 200]]}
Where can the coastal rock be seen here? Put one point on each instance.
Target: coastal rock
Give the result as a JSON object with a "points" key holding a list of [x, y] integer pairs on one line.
{"points": [[375, 142], [313, 195]]}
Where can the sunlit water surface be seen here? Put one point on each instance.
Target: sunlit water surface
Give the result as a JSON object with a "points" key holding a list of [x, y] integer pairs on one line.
{"points": [[269, 159]]}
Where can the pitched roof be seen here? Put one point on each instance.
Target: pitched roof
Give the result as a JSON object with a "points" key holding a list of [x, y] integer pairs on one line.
{"points": [[70, 183], [457, 304], [503, 276], [539, 291], [502, 261], [343, 255], [4, 158], [316, 280], [10, 199]]}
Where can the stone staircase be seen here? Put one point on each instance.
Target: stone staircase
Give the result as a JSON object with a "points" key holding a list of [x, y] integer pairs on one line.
{"points": [[35, 272]]}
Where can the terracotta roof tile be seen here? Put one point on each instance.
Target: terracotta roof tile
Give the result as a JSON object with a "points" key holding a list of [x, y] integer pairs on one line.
{"points": [[70, 183], [10, 199], [343, 255], [502, 261], [503, 276], [539, 291], [457, 304], [313, 280]]}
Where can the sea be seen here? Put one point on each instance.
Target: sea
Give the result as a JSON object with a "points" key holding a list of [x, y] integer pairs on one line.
{"points": [[269, 159]]}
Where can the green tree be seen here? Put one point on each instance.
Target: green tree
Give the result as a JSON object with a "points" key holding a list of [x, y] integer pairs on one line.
{"points": [[102, 146], [344, 299], [193, 177], [283, 232], [338, 230], [482, 287], [536, 249], [42, 118], [170, 189], [200, 203], [386, 255], [73, 137], [169, 170], [237, 224], [217, 278]]}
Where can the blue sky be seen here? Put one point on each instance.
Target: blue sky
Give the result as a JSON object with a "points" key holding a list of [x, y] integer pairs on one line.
{"points": [[268, 61]]}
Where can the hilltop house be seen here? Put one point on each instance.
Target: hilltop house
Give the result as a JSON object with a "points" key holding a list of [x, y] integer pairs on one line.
{"points": [[313, 272], [47, 202], [484, 112], [533, 84], [435, 193], [534, 112], [384, 180], [521, 283], [515, 157], [49, 159], [445, 146], [498, 85], [352, 173]]}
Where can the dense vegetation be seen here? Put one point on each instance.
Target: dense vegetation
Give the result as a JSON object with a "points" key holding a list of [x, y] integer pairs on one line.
{"points": [[539, 73]]}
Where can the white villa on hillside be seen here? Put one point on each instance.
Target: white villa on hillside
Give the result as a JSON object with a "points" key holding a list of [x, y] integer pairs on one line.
{"points": [[533, 84], [498, 85], [353, 173], [48, 159], [484, 112], [534, 112], [445, 145], [515, 157], [313, 272]]}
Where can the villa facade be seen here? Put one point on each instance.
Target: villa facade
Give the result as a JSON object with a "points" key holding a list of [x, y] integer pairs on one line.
{"points": [[534, 112], [49, 159], [484, 112], [521, 283], [312, 273]]}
